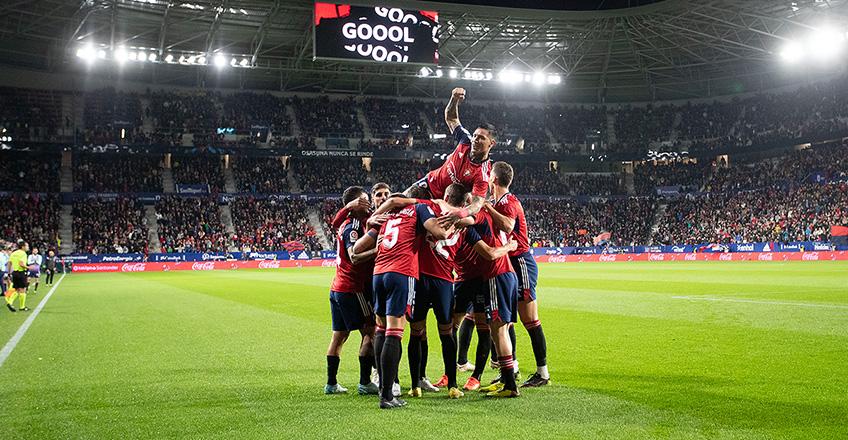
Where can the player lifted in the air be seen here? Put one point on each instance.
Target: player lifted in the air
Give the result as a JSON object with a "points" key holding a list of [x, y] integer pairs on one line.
{"points": [[468, 165], [508, 217]]}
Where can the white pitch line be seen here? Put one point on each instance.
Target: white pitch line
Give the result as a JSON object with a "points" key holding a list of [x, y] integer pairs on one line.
{"points": [[751, 301], [7, 349]]}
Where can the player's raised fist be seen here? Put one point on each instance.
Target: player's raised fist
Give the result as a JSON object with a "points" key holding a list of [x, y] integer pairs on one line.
{"points": [[459, 93]]}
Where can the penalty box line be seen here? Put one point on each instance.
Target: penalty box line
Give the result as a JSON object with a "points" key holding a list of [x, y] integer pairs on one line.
{"points": [[752, 301], [13, 342]]}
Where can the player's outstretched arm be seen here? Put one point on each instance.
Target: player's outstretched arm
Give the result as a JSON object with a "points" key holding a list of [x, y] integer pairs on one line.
{"points": [[436, 230], [395, 203], [342, 214], [492, 254], [452, 109], [502, 222]]}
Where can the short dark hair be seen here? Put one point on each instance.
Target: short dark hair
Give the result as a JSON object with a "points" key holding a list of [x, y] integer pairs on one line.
{"points": [[418, 192], [352, 193], [21, 244], [380, 185], [493, 132], [503, 173], [455, 194]]}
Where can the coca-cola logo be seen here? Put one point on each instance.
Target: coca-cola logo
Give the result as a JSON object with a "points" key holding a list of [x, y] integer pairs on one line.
{"points": [[690, 257], [606, 258], [557, 259], [328, 263], [656, 257], [810, 256], [203, 266], [133, 267], [766, 257], [269, 264], [725, 257]]}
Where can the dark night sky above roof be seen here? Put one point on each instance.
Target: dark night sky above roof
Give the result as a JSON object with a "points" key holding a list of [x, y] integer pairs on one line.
{"points": [[560, 5]]}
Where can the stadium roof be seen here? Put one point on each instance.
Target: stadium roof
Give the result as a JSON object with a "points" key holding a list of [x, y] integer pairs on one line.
{"points": [[672, 49]]}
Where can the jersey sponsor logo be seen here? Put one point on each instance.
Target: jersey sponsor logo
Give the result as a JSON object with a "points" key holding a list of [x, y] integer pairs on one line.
{"points": [[272, 264], [134, 267], [354, 235], [209, 265]]}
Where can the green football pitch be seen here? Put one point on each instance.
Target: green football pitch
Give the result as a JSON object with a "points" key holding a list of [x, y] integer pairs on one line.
{"points": [[636, 350]]}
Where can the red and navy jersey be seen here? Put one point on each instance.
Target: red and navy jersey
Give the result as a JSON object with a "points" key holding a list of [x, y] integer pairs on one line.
{"points": [[436, 256], [510, 206], [458, 168], [350, 278], [402, 234], [468, 263]]}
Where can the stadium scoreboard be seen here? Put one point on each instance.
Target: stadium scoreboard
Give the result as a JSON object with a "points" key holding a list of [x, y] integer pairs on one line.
{"points": [[377, 34]]}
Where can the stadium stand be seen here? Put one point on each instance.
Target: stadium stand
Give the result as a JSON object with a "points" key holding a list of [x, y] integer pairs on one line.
{"points": [[32, 217], [190, 225], [113, 226], [199, 170], [29, 172], [117, 173], [272, 224], [260, 175]]}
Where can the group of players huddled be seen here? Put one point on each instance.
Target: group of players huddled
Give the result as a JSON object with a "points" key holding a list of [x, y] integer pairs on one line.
{"points": [[20, 269], [454, 242]]}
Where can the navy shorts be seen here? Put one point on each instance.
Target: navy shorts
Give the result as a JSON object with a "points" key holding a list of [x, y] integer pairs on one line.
{"points": [[432, 293], [350, 311], [502, 298], [2, 282], [34, 273], [470, 296], [392, 294], [527, 272]]}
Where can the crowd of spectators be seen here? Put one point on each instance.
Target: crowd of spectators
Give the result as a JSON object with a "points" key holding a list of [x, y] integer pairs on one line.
{"points": [[272, 225], [318, 176], [183, 112], [572, 222], [31, 217], [244, 109], [190, 224], [390, 118], [689, 175], [29, 172], [117, 173], [199, 170], [399, 175], [260, 175], [30, 114], [321, 117], [802, 213], [114, 226]]}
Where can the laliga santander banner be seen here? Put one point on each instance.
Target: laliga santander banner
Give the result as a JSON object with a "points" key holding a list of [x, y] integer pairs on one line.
{"points": [[589, 258], [199, 265], [746, 256]]}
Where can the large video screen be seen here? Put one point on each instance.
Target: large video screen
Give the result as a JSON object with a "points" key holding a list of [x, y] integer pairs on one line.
{"points": [[367, 33]]}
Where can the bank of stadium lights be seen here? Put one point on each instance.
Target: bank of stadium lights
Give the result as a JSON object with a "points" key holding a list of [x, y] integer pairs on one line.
{"points": [[823, 45], [122, 55], [506, 76]]}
